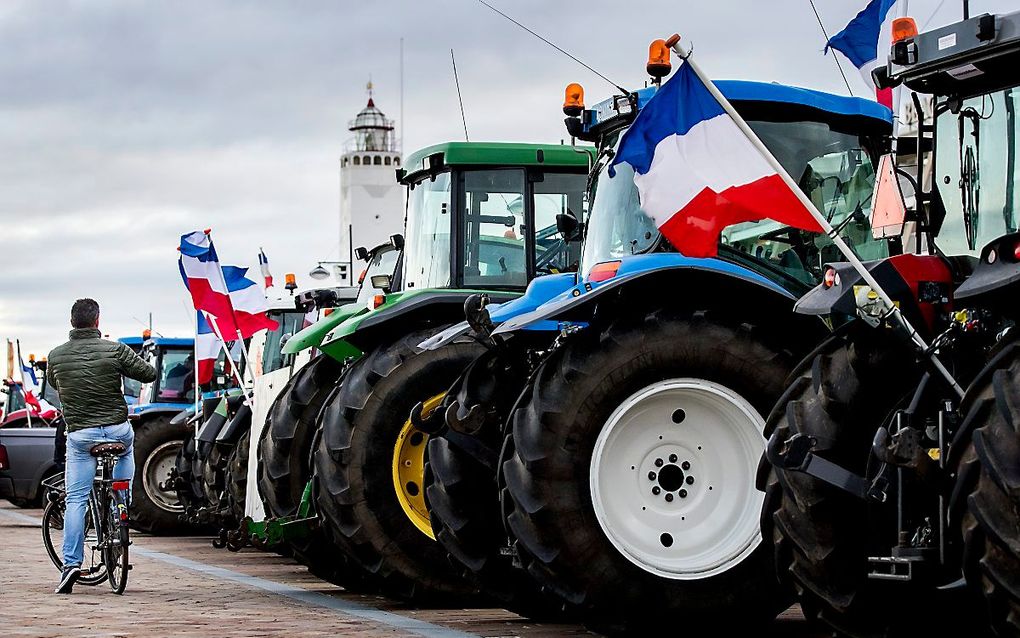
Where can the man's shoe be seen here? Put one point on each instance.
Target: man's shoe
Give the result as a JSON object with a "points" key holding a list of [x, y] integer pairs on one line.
{"points": [[67, 580]]}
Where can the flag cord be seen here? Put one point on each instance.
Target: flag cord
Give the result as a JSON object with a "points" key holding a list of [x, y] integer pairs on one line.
{"points": [[825, 34], [848, 252]]}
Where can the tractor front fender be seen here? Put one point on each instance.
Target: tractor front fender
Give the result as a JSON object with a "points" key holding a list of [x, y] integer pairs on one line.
{"points": [[313, 335]]}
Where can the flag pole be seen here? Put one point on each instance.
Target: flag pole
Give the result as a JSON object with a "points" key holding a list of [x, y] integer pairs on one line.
{"points": [[24, 385], [230, 361], [198, 386], [686, 55], [233, 319]]}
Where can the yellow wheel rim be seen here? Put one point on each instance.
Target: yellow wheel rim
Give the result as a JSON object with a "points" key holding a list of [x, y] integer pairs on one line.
{"points": [[409, 469]]}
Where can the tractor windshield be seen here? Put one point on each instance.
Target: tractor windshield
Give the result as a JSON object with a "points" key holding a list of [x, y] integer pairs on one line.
{"points": [[427, 244], [833, 167], [977, 146]]}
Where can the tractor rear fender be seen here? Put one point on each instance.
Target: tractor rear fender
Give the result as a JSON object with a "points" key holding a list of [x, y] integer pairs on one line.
{"points": [[657, 279], [235, 427], [412, 311]]}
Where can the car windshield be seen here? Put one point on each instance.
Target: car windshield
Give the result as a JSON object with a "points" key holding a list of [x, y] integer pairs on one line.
{"points": [[427, 246], [831, 166], [977, 173], [383, 262]]}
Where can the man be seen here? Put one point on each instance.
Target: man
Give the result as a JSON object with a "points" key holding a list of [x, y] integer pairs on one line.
{"points": [[86, 372]]}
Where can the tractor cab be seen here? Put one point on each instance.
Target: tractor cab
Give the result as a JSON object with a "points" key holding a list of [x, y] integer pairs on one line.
{"points": [[483, 216], [174, 387], [829, 144]]}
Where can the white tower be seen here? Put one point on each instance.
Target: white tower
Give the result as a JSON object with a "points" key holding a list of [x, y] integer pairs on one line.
{"points": [[371, 199]]}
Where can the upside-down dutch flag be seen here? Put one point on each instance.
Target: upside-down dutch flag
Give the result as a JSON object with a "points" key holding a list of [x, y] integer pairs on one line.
{"points": [[867, 39], [231, 301], [29, 383], [264, 267], [697, 173], [207, 349]]}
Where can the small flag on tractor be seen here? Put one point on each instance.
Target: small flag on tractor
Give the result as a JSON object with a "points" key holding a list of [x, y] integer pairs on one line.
{"points": [[697, 172], [29, 383], [264, 266], [207, 348]]}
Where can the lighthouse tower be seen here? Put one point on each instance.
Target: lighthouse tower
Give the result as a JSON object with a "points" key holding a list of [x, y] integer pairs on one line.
{"points": [[371, 199]]}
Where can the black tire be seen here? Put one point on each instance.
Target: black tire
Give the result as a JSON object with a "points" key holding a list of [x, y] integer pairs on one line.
{"points": [[356, 498], [147, 513], [554, 432], [985, 505], [115, 554], [285, 448], [185, 478], [822, 536], [237, 476], [214, 478], [52, 526]]}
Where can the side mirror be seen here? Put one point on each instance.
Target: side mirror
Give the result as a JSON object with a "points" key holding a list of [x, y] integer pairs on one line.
{"points": [[567, 225], [361, 253], [382, 282], [888, 208], [397, 241]]}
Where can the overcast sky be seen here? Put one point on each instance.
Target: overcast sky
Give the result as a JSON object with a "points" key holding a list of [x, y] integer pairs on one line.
{"points": [[124, 124]]}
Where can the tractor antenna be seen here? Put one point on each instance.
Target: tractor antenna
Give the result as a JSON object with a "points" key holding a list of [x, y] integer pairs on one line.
{"points": [[569, 55], [456, 80], [835, 58]]}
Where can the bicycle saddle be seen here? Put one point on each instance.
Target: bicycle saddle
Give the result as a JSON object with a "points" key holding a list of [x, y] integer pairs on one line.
{"points": [[109, 447]]}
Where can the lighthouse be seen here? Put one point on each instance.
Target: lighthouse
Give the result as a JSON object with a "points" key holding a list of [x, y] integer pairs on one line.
{"points": [[371, 199]]}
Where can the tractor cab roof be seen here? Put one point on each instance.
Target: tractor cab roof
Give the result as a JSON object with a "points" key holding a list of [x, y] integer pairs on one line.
{"points": [[433, 158]]}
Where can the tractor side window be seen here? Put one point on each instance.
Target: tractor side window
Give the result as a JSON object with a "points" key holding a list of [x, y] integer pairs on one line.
{"points": [[977, 147], [557, 193], [427, 245], [272, 355], [494, 228], [177, 377]]}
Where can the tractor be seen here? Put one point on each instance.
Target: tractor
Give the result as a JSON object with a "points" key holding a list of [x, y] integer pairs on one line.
{"points": [[606, 441], [892, 471], [480, 218]]}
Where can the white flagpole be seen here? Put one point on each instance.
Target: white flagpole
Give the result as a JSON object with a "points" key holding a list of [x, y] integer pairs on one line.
{"points": [[24, 383], [198, 386], [894, 311]]}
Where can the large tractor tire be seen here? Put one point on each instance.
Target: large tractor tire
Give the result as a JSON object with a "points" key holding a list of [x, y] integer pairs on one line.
{"points": [[189, 498], [370, 468], [986, 501], [154, 509], [822, 536], [285, 449], [237, 476], [632, 474]]}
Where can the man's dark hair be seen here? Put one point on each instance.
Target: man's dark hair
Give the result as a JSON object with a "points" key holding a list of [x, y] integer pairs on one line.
{"points": [[84, 313]]}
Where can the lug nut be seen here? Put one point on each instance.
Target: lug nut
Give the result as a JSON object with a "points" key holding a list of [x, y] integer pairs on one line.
{"points": [[651, 476], [686, 465], [672, 458], [689, 480], [656, 490], [658, 462], [669, 497], [683, 493]]}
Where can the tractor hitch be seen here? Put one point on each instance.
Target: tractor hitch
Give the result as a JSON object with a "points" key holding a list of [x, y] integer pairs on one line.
{"points": [[796, 454]]}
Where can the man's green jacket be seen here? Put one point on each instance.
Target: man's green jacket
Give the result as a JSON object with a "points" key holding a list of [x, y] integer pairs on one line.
{"points": [[86, 372]]}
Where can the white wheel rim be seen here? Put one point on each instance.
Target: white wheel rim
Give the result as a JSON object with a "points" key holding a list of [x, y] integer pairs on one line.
{"points": [[713, 525], [155, 470]]}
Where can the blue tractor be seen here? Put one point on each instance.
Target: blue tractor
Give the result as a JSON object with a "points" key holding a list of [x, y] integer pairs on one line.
{"points": [[606, 442]]}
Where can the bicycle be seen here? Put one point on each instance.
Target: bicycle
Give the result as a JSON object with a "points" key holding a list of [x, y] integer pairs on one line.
{"points": [[106, 544]]}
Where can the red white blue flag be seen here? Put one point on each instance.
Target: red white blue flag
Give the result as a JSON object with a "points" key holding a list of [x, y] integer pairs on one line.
{"points": [[207, 349], [697, 172], [234, 303], [867, 39], [264, 267]]}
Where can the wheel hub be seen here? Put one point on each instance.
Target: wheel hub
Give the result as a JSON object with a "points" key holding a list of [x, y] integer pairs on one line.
{"points": [[409, 470], [672, 478], [156, 471]]}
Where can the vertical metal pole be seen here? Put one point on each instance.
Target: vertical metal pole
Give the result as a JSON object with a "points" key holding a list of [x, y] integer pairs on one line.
{"points": [[24, 389], [401, 148], [966, 9]]}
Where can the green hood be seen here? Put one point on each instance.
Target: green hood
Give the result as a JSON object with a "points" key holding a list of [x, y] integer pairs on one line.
{"points": [[313, 335]]}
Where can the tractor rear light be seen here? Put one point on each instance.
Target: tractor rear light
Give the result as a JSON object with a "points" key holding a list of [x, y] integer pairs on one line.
{"points": [[1016, 251], [327, 312], [831, 278], [361, 277], [5, 463], [605, 270], [121, 485], [378, 300]]}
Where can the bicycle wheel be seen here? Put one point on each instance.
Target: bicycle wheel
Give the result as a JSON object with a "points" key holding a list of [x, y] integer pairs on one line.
{"points": [[93, 570], [115, 549]]}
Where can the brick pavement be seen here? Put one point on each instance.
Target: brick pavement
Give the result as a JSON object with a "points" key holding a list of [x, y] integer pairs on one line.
{"points": [[184, 587]]}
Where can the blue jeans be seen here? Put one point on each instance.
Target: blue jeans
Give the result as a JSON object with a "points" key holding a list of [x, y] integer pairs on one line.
{"points": [[78, 476]]}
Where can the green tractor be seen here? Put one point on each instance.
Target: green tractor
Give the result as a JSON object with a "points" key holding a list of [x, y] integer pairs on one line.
{"points": [[481, 217]]}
